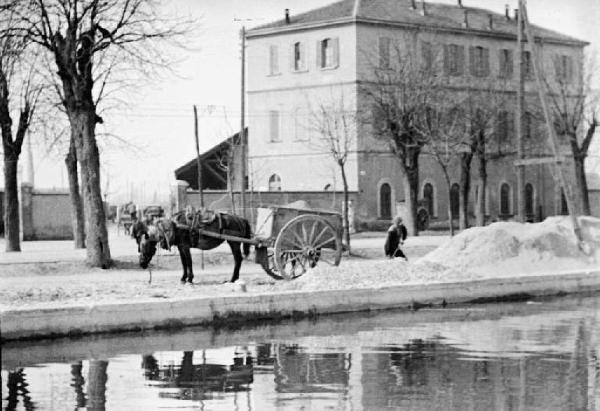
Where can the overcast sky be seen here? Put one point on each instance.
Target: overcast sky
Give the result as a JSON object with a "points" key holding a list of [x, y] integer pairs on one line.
{"points": [[160, 118]]}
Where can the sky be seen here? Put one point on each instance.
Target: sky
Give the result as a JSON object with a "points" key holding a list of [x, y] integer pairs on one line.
{"points": [[159, 124]]}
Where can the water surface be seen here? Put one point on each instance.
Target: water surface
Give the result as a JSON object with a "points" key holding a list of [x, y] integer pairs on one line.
{"points": [[540, 355]]}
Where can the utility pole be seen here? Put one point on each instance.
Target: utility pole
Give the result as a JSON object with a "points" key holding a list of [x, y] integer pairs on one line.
{"points": [[242, 128], [198, 165], [552, 138], [520, 105]]}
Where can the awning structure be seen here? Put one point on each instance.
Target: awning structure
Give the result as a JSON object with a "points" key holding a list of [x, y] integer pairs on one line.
{"points": [[214, 163]]}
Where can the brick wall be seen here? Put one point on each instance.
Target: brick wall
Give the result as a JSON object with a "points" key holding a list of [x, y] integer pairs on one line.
{"points": [[45, 214]]}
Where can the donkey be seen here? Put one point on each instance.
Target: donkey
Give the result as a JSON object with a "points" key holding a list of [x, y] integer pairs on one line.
{"points": [[182, 231]]}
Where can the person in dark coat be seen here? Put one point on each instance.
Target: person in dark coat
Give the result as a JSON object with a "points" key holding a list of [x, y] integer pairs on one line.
{"points": [[396, 235]]}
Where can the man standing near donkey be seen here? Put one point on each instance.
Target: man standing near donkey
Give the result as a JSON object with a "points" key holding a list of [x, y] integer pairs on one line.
{"points": [[396, 235]]}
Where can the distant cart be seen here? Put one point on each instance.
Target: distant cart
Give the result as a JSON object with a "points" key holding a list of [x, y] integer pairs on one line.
{"points": [[289, 241]]}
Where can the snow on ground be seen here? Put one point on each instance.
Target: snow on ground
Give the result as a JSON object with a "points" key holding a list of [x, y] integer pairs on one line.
{"points": [[500, 250]]}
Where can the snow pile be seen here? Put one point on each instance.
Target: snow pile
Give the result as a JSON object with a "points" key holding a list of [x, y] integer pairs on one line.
{"points": [[509, 247]]}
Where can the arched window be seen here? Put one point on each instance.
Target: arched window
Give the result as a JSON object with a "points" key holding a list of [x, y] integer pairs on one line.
{"points": [[455, 200], [274, 183], [529, 209], [428, 197], [504, 199], [385, 201]]}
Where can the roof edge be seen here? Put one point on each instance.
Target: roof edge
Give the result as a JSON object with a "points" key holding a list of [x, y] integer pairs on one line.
{"points": [[256, 33]]}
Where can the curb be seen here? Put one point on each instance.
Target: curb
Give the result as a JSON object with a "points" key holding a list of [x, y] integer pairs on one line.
{"points": [[102, 318]]}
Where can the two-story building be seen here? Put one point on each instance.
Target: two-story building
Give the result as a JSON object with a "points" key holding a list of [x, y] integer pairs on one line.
{"points": [[327, 54]]}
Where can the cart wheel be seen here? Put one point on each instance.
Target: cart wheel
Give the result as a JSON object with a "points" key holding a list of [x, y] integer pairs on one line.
{"points": [[303, 242], [268, 264]]}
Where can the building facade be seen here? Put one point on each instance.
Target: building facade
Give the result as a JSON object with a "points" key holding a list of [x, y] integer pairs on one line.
{"points": [[326, 56]]}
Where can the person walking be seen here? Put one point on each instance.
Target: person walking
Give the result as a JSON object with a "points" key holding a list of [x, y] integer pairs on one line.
{"points": [[396, 235]]}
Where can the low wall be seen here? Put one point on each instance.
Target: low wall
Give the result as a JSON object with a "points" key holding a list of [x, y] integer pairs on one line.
{"points": [[45, 214], [98, 318]]}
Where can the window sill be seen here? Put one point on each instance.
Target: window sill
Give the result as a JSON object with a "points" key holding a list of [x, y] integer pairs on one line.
{"points": [[329, 68], [300, 71], [274, 74]]}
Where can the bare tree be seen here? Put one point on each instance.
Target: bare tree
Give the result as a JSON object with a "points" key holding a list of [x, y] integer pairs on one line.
{"points": [[400, 93], [442, 127], [89, 40], [488, 120], [335, 127], [574, 109], [16, 76]]}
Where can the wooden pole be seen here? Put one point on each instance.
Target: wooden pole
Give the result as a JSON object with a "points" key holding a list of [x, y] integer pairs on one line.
{"points": [[520, 105], [552, 138], [198, 164], [199, 167], [243, 128]]}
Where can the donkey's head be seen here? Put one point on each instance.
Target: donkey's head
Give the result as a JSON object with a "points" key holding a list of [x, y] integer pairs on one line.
{"points": [[147, 246]]}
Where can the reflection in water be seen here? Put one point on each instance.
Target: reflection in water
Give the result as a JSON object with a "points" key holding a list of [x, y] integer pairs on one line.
{"points": [[196, 381], [542, 361], [77, 382], [17, 386], [96, 390]]}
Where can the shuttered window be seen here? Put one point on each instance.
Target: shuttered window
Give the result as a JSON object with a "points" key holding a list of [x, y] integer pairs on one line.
{"points": [[384, 52], [273, 60], [328, 53], [454, 60], [479, 59], [506, 63]]}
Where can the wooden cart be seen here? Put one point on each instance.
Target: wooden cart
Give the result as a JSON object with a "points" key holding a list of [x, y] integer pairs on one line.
{"points": [[288, 241]]}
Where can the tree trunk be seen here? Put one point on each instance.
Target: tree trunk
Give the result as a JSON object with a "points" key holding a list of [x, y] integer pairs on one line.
{"points": [[77, 215], [83, 123], [465, 189], [482, 171], [449, 208], [345, 215], [581, 184], [11, 199], [411, 190]]}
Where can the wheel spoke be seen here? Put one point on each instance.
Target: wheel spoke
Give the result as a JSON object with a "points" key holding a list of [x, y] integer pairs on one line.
{"points": [[292, 242], [312, 232], [304, 233], [298, 238], [325, 242], [319, 236]]}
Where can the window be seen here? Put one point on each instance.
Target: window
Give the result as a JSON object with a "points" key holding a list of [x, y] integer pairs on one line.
{"points": [[527, 125], [298, 57], [527, 65], [427, 56], [274, 183], [274, 125], [455, 200], [563, 66], [454, 59], [505, 127], [273, 60], [479, 58], [327, 53], [428, 198], [529, 199], [385, 201], [506, 63], [384, 52], [504, 199], [300, 131]]}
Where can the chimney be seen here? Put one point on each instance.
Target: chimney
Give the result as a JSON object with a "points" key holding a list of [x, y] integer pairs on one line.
{"points": [[413, 4], [507, 12], [287, 16], [490, 21], [460, 4], [466, 20], [516, 14], [423, 10]]}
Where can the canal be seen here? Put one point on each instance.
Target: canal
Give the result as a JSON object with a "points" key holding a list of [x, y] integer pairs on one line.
{"points": [[536, 355]]}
